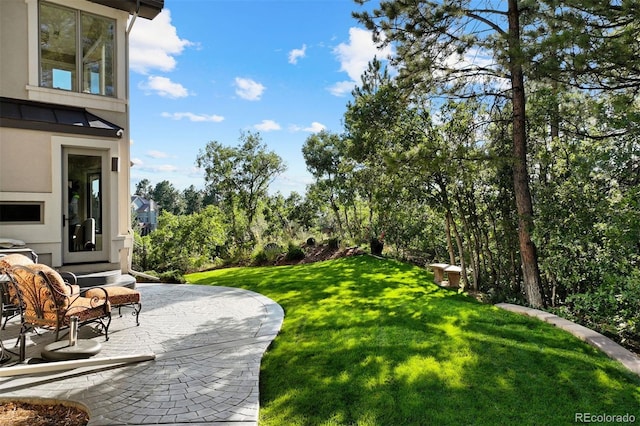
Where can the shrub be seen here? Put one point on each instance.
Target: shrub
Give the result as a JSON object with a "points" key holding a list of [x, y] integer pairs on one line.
{"points": [[334, 243], [260, 258], [376, 246], [612, 309], [272, 251], [143, 279], [294, 253], [173, 276]]}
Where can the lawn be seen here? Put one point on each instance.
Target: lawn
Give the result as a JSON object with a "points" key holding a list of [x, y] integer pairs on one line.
{"points": [[375, 342]]}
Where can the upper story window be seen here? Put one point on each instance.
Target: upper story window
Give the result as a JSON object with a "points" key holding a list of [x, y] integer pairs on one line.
{"points": [[77, 50]]}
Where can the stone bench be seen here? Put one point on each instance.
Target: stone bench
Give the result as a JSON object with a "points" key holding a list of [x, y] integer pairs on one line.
{"points": [[438, 271], [453, 275]]}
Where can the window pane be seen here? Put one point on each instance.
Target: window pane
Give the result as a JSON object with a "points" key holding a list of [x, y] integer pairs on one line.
{"points": [[57, 47], [98, 40], [21, 212]]}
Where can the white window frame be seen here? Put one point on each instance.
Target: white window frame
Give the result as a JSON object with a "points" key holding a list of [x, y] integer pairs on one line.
{"points": [[45, 94]]}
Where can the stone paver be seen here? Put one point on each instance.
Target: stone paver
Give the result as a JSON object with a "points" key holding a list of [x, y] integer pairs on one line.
{"points": [[208, 343], [595, 339]]}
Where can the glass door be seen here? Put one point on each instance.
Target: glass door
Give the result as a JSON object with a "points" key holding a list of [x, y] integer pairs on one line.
{"points": [[84, 192]]}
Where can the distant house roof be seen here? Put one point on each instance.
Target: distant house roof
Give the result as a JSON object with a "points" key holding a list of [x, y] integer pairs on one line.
{"points": [[32, 115], [148, 9], [142, 204]]}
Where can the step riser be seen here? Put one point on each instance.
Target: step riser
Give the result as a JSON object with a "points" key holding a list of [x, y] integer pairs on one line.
{"points": [[89, 268], [107, 279]]}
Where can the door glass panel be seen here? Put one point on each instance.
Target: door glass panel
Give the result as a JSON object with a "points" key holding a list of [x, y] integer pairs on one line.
{"points": [[85, 203]]}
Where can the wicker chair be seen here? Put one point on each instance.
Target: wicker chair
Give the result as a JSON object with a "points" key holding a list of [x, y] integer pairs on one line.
{"points": [[47, 301]]}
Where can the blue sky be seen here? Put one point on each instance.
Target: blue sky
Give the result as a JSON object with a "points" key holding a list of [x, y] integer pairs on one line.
{"points": [[206, 70]]}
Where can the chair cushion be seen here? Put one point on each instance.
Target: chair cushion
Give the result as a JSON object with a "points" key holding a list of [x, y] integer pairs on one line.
{"points": [[58, 284], [14, 259], [117, 295], [85, 308], [54, 277]]}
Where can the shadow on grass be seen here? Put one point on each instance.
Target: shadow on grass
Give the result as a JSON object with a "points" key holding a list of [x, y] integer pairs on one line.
{"points": [[368, 341]]}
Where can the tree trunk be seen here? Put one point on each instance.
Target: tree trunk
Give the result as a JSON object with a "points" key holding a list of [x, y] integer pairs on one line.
{"points": [[466, 229], [447, 228], [448, 223], [336, 211], [464, 282], [528, 255]]}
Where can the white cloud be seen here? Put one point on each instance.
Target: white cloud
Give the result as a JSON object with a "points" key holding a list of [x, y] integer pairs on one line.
{"points": [[474, 60], [195, 172], [296, 54], [342, 88], [248, 89], [354, 57], [154, 44], [193, 117], [315, 127], [151, 171], [157, 154], [474, 57], [165, 168], [137, 162], [267, 126], [163, 86]]}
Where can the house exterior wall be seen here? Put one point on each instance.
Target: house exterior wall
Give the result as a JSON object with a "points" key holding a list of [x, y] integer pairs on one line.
{"points": [[13, 73], [16, 148], [31, 161]]}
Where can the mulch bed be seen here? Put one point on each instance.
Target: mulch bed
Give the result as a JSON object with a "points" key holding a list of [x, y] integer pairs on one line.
{"points": [[18, 413], [319, 253]]}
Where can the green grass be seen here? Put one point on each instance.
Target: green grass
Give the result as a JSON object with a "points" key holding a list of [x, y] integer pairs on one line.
{"points": [[375, 342]]}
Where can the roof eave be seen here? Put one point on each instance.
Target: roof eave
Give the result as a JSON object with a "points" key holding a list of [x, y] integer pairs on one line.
{"points": [[148, 9]]}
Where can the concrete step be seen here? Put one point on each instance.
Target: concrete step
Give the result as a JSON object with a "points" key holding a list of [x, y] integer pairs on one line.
{"points": [[89, 268]]}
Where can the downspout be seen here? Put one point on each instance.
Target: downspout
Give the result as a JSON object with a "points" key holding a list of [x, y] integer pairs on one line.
{"points": [[133, 19], [128, 124]]}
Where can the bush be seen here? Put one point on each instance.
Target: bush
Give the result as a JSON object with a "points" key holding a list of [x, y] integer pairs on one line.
{"points": [[334, 243], [238, 255], [294, 253], [260, 258], [182, 242], [143, 279], [376, 246], [612, 309], [173, 277], [272, 251]]}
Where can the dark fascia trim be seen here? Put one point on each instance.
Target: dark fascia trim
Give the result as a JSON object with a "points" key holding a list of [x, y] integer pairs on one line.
{"points": [[149, 9], [12, 115], [55, 128]]}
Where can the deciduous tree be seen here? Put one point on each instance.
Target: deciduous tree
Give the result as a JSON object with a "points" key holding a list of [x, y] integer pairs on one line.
{"points": [[240, 175]]}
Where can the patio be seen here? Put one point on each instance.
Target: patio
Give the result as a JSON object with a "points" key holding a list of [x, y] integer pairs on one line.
{"points": [[208, 342]]}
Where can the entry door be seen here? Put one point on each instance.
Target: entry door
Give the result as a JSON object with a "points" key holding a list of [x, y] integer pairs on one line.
{"points": [[86, 189]]}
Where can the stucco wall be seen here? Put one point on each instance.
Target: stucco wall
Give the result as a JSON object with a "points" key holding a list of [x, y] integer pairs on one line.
{"points": [[25, 161], [13, 45]]}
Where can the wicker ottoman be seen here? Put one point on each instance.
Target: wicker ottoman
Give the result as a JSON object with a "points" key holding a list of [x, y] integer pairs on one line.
{"points": [[120, 297]]}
